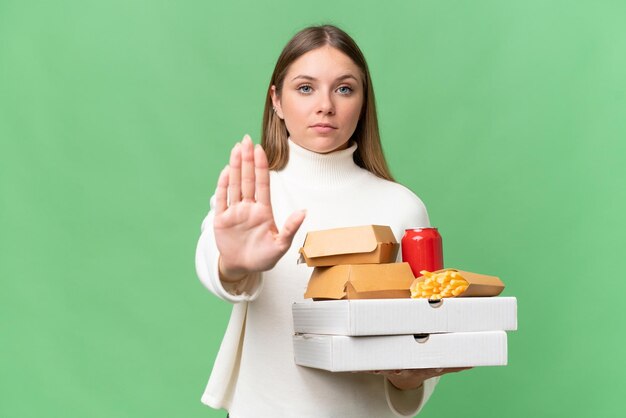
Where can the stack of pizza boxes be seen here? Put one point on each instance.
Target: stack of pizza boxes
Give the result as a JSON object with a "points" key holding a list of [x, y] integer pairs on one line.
{"points": [[362, 316]]}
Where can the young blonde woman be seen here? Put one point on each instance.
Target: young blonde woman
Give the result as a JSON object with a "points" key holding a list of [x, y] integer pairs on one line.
{"points": [[320, 165]]}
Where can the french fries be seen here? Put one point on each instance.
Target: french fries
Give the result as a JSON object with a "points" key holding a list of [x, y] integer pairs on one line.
{"points": [[445, 284]]}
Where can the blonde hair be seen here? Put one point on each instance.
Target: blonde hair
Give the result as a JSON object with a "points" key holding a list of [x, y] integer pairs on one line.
{"points": [[369, 154]]}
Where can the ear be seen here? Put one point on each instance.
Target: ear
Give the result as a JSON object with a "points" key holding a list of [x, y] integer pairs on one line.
{"points": [[276, 102]]}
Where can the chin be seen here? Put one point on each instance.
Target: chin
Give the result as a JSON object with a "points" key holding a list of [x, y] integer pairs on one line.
{"points": [[324, 147], [322, 144]]}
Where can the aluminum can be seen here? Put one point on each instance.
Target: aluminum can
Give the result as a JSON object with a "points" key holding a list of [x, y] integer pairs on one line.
{"points": [[422, 249]]}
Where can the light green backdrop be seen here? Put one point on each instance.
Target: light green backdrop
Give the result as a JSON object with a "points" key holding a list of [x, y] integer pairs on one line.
{"points": [[506, 117]]}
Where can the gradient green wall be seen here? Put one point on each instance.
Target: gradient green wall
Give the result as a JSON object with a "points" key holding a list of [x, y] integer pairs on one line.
{"points": [[508, 118]]}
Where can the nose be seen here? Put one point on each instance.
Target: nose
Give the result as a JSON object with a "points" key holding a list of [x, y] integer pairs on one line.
{"points": [[326, 106]]}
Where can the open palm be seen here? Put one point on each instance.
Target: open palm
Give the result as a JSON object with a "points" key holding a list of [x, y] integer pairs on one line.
{"points": [[245, 231]]}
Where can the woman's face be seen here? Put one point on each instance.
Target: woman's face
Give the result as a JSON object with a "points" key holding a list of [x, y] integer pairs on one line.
{"points": [[321, 100]]}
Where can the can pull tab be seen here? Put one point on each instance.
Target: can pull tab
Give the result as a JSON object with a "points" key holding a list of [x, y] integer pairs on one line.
{"points": [[421, 338]]}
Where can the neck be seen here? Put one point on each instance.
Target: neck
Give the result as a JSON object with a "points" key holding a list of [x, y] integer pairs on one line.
{"points": [[312, 170]]}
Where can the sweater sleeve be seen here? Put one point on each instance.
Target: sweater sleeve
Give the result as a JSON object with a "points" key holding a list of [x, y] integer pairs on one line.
{"points": [[408, 403], [207, 257]]}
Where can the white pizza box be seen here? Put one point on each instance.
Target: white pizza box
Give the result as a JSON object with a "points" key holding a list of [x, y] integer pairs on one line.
{"points": [[338, 353], [404, 316]]}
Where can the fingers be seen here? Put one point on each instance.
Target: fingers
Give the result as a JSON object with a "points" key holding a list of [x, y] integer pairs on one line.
{"points": [[445, 370], [292, 224], [234, 175], [247, 169], [453, 370], [243, 170], [389, 372], [262, 175], [221, 193], [423, 372]]}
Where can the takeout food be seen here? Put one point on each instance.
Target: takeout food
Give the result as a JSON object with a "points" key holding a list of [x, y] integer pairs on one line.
{"points": [[341, 353], [368, 244], [355, 263], [438, 285], [446, 283], [360, 281]]}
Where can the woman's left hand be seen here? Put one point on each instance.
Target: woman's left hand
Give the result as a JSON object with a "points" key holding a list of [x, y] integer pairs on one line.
{"points": [[414, 378]]}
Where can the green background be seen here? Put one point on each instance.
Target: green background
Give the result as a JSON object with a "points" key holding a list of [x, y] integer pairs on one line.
{"points": [[508, 118]]}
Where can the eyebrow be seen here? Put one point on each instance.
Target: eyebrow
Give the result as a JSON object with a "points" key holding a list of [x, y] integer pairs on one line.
{"points": [[340, 78]]}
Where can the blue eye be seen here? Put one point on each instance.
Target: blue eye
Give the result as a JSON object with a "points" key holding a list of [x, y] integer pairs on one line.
{"points": [[306, 89], [345, 90]]}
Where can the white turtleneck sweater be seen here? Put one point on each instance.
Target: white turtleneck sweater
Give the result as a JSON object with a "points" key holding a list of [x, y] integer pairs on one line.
{"points": [[254, 374]]}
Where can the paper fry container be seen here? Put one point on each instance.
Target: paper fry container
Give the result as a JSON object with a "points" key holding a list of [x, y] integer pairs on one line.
{"points": [[478, 284]]}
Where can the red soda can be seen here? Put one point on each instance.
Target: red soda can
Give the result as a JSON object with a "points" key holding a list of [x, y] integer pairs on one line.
{"points": [[422, 249]]}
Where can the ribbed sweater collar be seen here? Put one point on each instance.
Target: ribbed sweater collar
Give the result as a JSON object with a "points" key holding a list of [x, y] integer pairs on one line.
{"points": [[320, 171]]}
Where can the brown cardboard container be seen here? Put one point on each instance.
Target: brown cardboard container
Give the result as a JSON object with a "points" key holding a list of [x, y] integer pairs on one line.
{"points": [[369, 244], [360, 281], [479, 284]]}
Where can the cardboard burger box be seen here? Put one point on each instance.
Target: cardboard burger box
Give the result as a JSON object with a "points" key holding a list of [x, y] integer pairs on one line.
{"points": [[368, 244], [360, 281], [355, 263]]}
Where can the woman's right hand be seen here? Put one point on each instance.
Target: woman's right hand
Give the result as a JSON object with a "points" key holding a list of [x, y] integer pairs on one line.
{"points": [[245, 231]]}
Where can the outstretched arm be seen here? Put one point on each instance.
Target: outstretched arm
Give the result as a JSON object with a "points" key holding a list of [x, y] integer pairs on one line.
{"points": [[240, 238], [245, 231]]}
